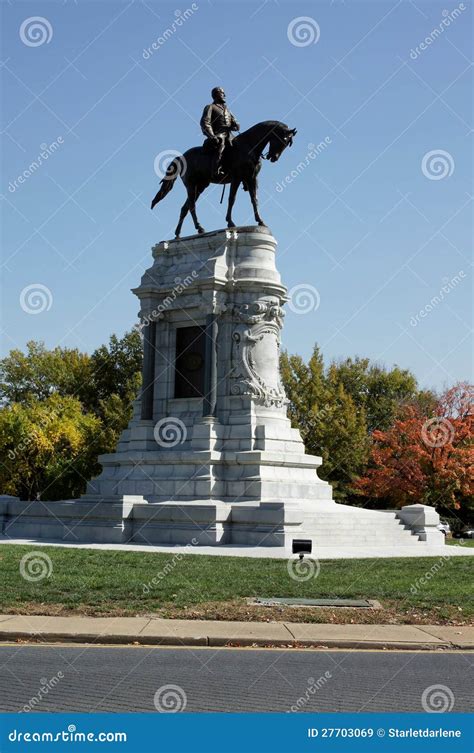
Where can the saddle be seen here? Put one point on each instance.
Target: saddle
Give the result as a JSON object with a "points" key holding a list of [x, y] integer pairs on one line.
{"points": [[211, 147]]}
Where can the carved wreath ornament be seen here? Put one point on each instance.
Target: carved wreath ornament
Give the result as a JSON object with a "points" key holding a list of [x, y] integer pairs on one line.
{"points": [[256, 353]]}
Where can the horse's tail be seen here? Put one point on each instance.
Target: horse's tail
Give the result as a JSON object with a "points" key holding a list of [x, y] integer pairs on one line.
{"points": [[174, 169]]}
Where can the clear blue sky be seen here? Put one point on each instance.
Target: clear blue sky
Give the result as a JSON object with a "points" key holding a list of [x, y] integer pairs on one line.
{"points": [[362, 223]]}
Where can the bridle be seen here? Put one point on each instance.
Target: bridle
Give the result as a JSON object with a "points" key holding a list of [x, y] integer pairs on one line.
{"points": [[266, 156], [288, 143]]}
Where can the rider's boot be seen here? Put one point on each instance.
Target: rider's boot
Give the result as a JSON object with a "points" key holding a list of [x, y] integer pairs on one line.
{"points": [[220, 170]]}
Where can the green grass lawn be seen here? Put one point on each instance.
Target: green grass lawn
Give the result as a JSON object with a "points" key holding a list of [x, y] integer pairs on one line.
{"points": [[129, 583], [457, 542]]}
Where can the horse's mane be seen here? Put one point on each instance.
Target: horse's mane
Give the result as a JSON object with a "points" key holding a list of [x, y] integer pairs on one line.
{"points": [[271, 123], [259, 126]]}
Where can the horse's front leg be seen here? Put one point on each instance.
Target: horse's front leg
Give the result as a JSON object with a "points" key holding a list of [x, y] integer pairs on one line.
{"points": [[252, 186], [232, 194], [193, 195]]}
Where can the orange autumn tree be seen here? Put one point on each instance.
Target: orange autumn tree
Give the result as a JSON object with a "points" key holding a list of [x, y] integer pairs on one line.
{"points": [[425, 459]]}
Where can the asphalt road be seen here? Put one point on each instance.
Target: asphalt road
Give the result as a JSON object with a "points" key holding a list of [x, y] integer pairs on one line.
{"points": [[89, 678]]}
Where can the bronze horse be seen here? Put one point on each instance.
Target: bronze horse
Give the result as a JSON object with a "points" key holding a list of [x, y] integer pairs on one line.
{"points": [[241, 164]]}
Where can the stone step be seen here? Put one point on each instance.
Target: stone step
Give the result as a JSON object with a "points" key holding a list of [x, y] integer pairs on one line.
{"points": [[356, 541], [359, 526]]}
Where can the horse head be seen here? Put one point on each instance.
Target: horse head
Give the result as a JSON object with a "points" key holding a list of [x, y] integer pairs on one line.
{"points": [[280, 137]]}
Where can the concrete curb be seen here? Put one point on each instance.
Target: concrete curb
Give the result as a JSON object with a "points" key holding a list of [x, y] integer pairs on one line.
{"points": [[156, 631]]}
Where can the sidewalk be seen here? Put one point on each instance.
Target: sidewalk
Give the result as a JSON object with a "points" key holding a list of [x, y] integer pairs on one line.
{"points": [[154, 631], [268, 552]]}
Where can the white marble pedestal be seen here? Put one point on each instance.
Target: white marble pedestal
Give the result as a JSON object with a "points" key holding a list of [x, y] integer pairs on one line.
{"points": [[209, 456]]}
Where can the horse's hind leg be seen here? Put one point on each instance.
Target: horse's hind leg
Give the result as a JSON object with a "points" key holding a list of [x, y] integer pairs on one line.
{"points": [[184, 211], [193, 195]]}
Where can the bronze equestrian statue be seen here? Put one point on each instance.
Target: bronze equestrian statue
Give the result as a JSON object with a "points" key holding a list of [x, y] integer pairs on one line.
{"points": [[233, 161]]}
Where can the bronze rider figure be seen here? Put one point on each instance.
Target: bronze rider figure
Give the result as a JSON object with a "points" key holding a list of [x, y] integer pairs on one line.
{"points": [[217, 124]]}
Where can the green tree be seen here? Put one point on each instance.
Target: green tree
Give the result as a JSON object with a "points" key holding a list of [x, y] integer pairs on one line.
{"points": [[39, 373], [115, 377], [112, 369], [115, 370], [100, 389], [329, 421], [49, 447], [338, 408], [379, 391], [305, 388]]}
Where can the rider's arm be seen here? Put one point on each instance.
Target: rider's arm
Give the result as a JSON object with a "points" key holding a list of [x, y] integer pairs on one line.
{"points": [[234, 126], [206, 122]]}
